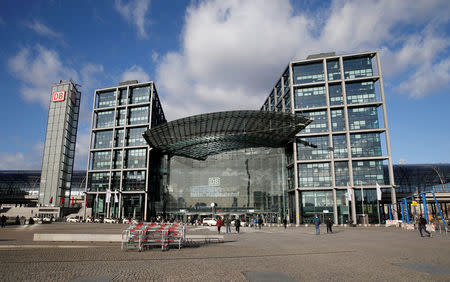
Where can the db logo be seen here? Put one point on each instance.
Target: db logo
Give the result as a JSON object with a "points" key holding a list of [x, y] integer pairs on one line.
{"points": [[58, 96]]}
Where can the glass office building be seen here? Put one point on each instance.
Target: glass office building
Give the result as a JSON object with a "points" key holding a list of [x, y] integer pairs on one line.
{"points": [[119, 166], [347, 144], [59, 148]]}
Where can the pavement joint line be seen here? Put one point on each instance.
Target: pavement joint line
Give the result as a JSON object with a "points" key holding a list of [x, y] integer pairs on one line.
{"points": [[45, 246], [183, 258]]}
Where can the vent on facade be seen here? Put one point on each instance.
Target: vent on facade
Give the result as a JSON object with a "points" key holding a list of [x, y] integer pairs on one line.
{"points": [[128, 82], [321, 55]]}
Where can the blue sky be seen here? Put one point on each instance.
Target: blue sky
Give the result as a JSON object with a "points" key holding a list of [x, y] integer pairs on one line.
{"points": [[209, 56]]}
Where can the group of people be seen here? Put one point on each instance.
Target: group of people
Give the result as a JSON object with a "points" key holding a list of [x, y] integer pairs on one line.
{"points": [[227, 223], [317, 222]]}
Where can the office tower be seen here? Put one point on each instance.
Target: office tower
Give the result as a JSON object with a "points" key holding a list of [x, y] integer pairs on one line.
{"points": [[345, 146], [60, 141], [119, 157]]}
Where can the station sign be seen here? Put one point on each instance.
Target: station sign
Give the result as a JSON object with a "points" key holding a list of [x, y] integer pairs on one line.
{"points": [[58, 96]]}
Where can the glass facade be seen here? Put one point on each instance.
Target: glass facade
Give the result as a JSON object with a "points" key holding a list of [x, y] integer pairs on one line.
{"points": [[320, 123], [310, 97], [122, 163], [343, 113], [247, 181], [307, 73]]}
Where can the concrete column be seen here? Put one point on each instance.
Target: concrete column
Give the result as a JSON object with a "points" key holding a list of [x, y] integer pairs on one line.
{"points": [[388, 142]]}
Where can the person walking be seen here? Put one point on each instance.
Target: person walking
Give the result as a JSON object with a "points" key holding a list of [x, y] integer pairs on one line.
{"points": [[316, 221], [228, 225], [285, 223], [260, 222], [3, 221], [423, 226], [255, 222], [219, 224], [329, 225], [237, 224]]}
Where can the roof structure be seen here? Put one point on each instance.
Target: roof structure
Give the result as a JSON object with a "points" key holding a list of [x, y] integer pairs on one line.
{"points": [[200, 136]]}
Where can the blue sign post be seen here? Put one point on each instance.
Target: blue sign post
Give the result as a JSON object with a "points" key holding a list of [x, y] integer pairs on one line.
{"points": [[403, 213], [390, 214], [425, 208], [405, 204]]}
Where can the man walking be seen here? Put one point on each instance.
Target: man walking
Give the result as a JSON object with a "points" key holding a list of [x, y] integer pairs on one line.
{"points": [[237, 223], [423, 226], [329, 225], [228, 225], [316, 221]]}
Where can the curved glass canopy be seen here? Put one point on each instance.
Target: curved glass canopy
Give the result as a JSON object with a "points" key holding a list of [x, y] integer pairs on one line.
{"points": [[200, 136]]}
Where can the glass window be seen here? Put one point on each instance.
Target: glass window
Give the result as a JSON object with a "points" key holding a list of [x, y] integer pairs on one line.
{"points": [[336, 97], [106, 99], [320, 123], [287, 102], [365, 145], [358, 67], [279, 91], [134, 136], [104, 119], [341, 173], [101, 160], [367, 172], [120, 118], [98, 181], [136, 158], [115, 182], [272, 101], [314, 175], [314, 202], [103, 139], [363, 118], [310, 97], [118, 139], [308, 73], [133, 180], [340, 146], [138, 115], [333, 69], [117, 159], [122, 96], [337, 120], [140, 95], [360, 92], [309, 153]]}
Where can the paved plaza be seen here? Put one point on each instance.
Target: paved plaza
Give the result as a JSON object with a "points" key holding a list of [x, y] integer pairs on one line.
{"points": [[270, 254]]}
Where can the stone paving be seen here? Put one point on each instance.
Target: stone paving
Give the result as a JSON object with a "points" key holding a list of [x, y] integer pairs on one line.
{"points": [[269, 254]]}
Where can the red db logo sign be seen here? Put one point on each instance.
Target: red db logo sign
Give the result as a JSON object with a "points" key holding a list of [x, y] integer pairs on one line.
{"points": [[58, 96]]}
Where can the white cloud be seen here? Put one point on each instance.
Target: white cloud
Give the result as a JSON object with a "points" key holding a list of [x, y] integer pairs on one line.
{"points": [[428, 79], [232, 51], [38, 69], [135, 73], [155, 56], [42, 29], [134, 12]]}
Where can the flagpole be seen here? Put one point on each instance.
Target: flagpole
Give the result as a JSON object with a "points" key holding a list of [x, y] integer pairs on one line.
{"points": [[362, 201], [378, 201]]}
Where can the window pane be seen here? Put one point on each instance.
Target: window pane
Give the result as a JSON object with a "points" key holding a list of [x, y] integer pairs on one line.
{"points": [[309, 153], [308, 73], [106, 99], [136, 158], [310, 97], [104, 119], [340, 146], [314, 175], [134, 136], [358, 67], [333, 69], [101, 160], [337, 120], [133, 180], [320, 123], [139, 95], [363, 118], [360, 92], [341, 173], [138, 115], [336, 97], [365, 145], [103, 139]]}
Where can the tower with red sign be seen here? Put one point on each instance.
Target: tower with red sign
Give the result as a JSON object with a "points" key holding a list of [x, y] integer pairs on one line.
{"points": [[59, 149]]}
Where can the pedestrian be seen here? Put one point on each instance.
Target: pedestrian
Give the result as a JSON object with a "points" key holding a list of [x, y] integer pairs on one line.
{"points": [[237, 224], [329, 225], [260, 222], [285, 223], [423, 226], [255, 222], [219, 224], [228, 225], [316, 221], [3, 221]]}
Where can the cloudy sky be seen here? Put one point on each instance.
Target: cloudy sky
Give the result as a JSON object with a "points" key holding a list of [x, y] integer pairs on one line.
{"points": [[207, 56]]}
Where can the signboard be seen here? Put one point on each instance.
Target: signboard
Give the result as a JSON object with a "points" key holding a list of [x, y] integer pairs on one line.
{"points": [[414, 203], [214, 181], [325, 211], [58, 96]]}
